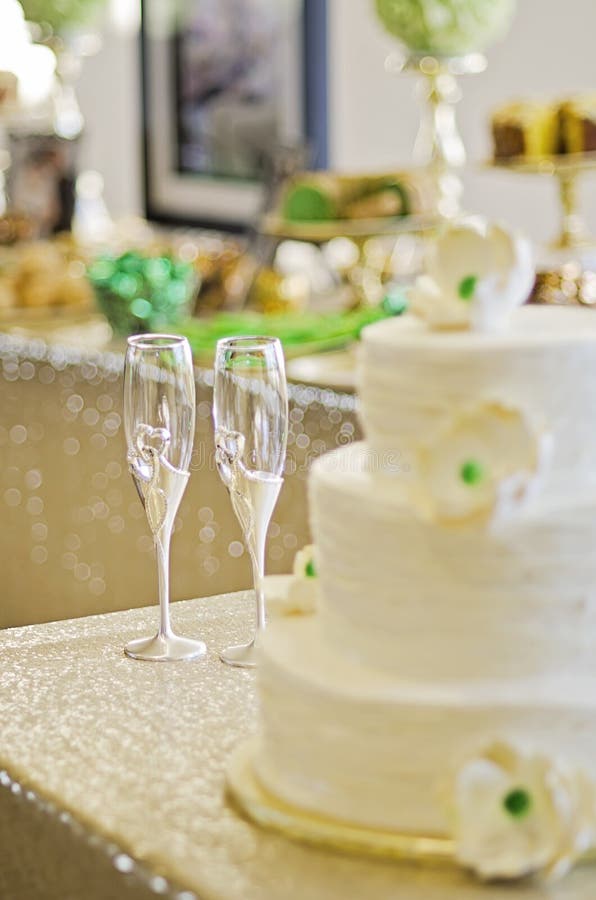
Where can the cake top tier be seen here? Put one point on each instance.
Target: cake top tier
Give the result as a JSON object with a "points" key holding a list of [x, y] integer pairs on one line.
{"points": [[486, 402], [466, 412]]}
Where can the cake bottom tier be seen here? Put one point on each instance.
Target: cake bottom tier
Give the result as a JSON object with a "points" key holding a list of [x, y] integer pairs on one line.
{"points": [[354, 744]]}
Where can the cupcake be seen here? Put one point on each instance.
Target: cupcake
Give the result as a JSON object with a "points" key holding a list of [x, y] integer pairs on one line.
{"points": [[525, 128], [578, 124]]}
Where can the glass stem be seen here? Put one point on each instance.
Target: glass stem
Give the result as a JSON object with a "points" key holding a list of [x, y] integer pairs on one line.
{"points": [[162, 547], [258, 570]]}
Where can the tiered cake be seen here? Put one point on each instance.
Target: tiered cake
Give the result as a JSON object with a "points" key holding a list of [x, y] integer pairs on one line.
{"points": [[447, 684]]}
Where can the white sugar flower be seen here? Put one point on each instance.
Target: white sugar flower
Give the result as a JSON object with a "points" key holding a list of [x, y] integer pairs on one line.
{"points": [[296, 594], [516, 815], [484, 467], [303, 592], [304, 563], [477, 274]]}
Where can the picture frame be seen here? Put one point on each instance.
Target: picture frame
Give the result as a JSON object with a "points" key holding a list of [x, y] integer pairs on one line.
{"points": [[211, 115]]}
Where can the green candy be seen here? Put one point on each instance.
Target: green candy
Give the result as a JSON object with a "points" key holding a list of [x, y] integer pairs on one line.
{"points": [[102, 270], [141, 308], [395, 301], [139, 293], [158, 271], [127, 286], [310, 570]]}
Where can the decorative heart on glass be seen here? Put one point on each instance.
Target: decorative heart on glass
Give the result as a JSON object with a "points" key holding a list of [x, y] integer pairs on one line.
{"points": [[229, 449], [151, 447]]}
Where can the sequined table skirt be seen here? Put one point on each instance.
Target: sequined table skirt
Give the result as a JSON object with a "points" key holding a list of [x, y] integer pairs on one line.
{"points": [[74, 539], [112, 778]]}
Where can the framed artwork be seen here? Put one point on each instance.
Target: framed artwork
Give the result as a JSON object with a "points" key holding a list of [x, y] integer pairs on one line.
{"points": [[226, 84]]}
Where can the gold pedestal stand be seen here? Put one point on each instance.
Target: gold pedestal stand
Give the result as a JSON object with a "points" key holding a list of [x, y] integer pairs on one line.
{"points": [[571, 277], [567, 169], [439, 146]]}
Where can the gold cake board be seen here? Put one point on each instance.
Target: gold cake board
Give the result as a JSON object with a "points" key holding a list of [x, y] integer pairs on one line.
{"points": [[268, 811]]}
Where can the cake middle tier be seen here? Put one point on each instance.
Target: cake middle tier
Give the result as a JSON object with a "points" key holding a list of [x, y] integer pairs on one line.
{"points": [[428, 602]]}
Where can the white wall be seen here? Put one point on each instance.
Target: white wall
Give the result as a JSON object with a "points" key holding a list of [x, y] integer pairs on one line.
{"points": [[110, 96], [549, 51]]}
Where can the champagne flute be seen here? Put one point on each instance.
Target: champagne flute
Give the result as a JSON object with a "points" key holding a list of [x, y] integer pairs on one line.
{"points": [[159, 423], [250, 414]]}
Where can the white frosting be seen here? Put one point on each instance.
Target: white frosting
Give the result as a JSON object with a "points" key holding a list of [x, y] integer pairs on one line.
{"points": [[411, 380], [349, 742], [429, 602]]}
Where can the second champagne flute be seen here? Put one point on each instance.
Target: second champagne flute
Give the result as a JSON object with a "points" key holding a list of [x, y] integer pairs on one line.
{"points": [[250, 414]]}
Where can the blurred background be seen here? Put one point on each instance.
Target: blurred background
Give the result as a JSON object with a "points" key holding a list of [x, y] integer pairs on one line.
{"points": [[220, 167], [373, 118]]}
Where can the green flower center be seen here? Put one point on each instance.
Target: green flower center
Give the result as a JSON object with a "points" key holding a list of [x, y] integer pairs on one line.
{"points": [[310, 570], [467, 287], [517, 803], [472, 472]]}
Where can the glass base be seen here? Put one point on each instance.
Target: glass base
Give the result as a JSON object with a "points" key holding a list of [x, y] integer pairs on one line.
{"points": [[244, 656], [165, 648]]}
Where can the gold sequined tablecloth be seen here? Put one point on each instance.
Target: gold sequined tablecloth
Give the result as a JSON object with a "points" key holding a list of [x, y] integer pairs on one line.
{"points": [[112, 777]]}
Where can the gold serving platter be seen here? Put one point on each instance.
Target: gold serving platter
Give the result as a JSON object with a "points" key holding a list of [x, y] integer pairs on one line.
{"points": [[564, 163], [417, 212], [275, 225], [274, 814]]}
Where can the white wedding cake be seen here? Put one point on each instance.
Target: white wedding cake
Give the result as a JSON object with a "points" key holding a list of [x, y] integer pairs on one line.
{"points": [[447, 683]]}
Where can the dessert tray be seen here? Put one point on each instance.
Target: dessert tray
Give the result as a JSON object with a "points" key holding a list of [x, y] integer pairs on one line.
{"points": [[274, 225], [272, 813], [301, 333], [548, 165]]}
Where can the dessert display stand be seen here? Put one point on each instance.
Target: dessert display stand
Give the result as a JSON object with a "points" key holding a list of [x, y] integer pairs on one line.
{"points": [[439, 146], [566, 169], [567, 272]]}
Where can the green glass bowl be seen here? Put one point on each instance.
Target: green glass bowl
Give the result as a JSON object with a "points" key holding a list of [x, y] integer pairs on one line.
{"points": [[138, 293]]}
